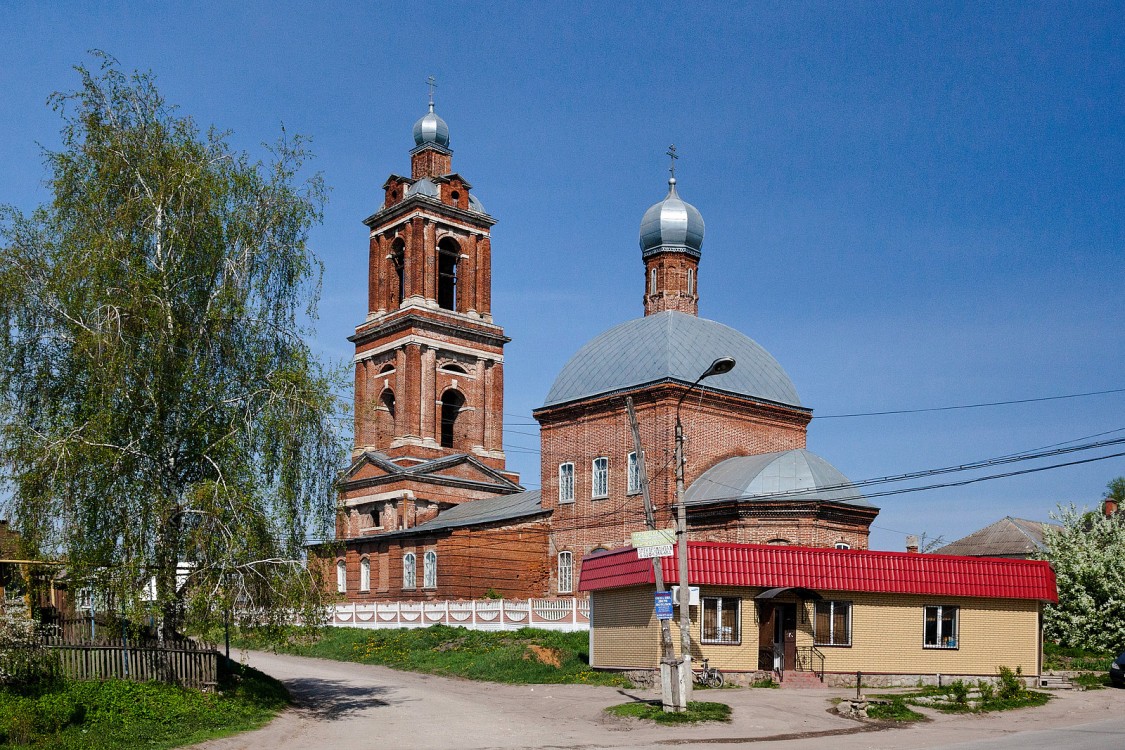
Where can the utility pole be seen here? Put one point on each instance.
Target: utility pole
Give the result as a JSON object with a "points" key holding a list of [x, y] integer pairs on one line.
{"points": [[720, 366], [669, 687]]}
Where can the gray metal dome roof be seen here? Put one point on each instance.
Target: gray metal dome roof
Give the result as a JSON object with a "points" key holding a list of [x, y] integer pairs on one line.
{"points": [[800, 473], [426, 186], [671, 346], [423, 186], [671, 225], [431, 129]]}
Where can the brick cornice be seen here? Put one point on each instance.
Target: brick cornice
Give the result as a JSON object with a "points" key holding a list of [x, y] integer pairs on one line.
{"points": [[438, 321], [428, 207]]}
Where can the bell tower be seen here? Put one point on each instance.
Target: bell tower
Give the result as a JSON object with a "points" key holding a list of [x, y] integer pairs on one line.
{"points": [[671, 237], [429, 361]]}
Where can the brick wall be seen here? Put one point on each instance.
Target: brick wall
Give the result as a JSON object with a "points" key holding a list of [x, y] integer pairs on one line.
{"points": [[511, 560], [676, 284], [716, 427]]}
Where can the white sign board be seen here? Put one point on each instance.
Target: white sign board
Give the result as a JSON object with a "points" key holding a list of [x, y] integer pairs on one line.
{"points": [[664, 550], [656, 538]]}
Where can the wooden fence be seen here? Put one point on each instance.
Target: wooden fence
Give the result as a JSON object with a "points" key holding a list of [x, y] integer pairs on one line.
{"points": [[107, 648], [190, 667]]}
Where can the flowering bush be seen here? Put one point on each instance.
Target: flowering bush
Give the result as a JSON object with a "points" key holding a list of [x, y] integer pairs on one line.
{"points": [[1088, 555]]}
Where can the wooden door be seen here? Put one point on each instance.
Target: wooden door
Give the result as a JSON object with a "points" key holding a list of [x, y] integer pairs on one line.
{"points": [[767, 627], [788, 616]]}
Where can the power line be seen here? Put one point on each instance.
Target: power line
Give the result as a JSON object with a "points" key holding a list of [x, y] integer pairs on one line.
{"points": [[968, 406]]}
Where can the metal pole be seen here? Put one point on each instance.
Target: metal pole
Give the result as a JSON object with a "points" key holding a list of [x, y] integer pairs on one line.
{"points": [[669, 683], [685, 583]]}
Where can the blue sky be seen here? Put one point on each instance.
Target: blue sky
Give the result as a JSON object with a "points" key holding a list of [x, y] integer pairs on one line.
{"points": [[908, 207]]}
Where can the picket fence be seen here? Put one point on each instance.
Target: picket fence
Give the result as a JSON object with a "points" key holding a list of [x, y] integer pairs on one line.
{"points": [[479, 614], [190, 667]]}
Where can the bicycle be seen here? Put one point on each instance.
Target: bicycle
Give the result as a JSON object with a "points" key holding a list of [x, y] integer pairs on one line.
{"points": [[708, 676]]}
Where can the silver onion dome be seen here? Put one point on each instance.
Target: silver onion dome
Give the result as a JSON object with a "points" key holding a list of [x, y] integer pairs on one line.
{"points": [[672, 225], [431, 129]]}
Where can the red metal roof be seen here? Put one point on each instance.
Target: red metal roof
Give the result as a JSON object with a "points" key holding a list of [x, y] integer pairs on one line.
{"points": [[768, 566]]}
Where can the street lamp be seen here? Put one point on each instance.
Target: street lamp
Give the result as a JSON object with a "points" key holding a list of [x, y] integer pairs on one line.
{"points": [[718, 367]]}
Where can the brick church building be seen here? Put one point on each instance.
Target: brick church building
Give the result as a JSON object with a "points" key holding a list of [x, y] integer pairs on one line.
{"points": [[428, 509]]}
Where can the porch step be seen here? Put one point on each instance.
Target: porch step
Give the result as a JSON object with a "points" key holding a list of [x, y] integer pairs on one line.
{"points": [[801, 680], [1055, 682]]}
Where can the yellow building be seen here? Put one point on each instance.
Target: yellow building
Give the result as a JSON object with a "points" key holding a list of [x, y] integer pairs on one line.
{"points": [[771, 610]]}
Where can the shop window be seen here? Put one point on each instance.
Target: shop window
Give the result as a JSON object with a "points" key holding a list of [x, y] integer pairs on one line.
{"points": [[940, 626], [721, 620], [833, 624]]}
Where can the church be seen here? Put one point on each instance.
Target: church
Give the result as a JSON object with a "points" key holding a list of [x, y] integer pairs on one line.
{"points": [[427, 508]]}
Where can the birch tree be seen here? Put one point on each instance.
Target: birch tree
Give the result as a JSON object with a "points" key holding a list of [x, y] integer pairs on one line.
{"points": [[160, 409]]}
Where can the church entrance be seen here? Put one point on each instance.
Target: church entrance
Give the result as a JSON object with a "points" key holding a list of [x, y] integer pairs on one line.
{"points": [[777, 636]]}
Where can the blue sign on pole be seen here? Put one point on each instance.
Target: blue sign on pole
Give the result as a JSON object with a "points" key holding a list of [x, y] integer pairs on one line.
{"points": [[663, 605]]}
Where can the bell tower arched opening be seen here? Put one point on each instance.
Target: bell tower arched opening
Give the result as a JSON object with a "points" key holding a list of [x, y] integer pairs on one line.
{"points": [[451, 403], [449, 253]]}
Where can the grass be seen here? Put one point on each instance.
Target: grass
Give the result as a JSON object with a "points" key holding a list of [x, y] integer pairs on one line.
{"points": [[1092, 680], [697, 711], [894, 709], [765, 682], [71, 715], [1060, 658], [516, 657]]}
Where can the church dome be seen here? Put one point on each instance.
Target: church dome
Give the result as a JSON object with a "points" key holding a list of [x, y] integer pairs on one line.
{"points": [[671, 346], [800, 474], [672, 225], [431, 129]]}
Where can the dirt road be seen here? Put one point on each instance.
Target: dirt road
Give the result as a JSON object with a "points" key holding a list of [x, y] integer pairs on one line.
{"points": [[354, 706]]}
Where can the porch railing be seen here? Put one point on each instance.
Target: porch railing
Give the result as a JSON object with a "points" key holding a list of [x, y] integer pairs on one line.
{"points": [[810, 659]]}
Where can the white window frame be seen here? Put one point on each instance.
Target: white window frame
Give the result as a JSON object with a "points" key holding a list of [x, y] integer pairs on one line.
{"points": [[429, 570], [599, 477], [734, 638], [566, 572], [633, 474], [842, 545], [365, 574], [832, 606], [341, 577], [410, 571], [566, 482], [652, 283], [945, 641], [691, 282]]}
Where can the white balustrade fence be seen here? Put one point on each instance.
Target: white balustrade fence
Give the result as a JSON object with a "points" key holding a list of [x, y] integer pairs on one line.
{"points": [[479, 614]]}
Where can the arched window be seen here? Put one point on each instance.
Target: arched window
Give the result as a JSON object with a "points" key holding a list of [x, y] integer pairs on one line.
{"points": [[843, 545], [451, 403], [452, 367], [691, 282], [448, 255], [365, 575], [599, 481], [566, 572], [385, 418], [341, 576], [409, 570], [779, 541], [652, 282], [429, 570], [398, 262]]}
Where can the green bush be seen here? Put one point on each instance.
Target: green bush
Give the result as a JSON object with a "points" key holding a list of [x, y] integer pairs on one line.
{"points": [[987, 691], [1011, 684], [959, 691]]}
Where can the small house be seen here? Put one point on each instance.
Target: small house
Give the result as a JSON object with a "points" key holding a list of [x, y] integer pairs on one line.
{"points": [[766, 610]]}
